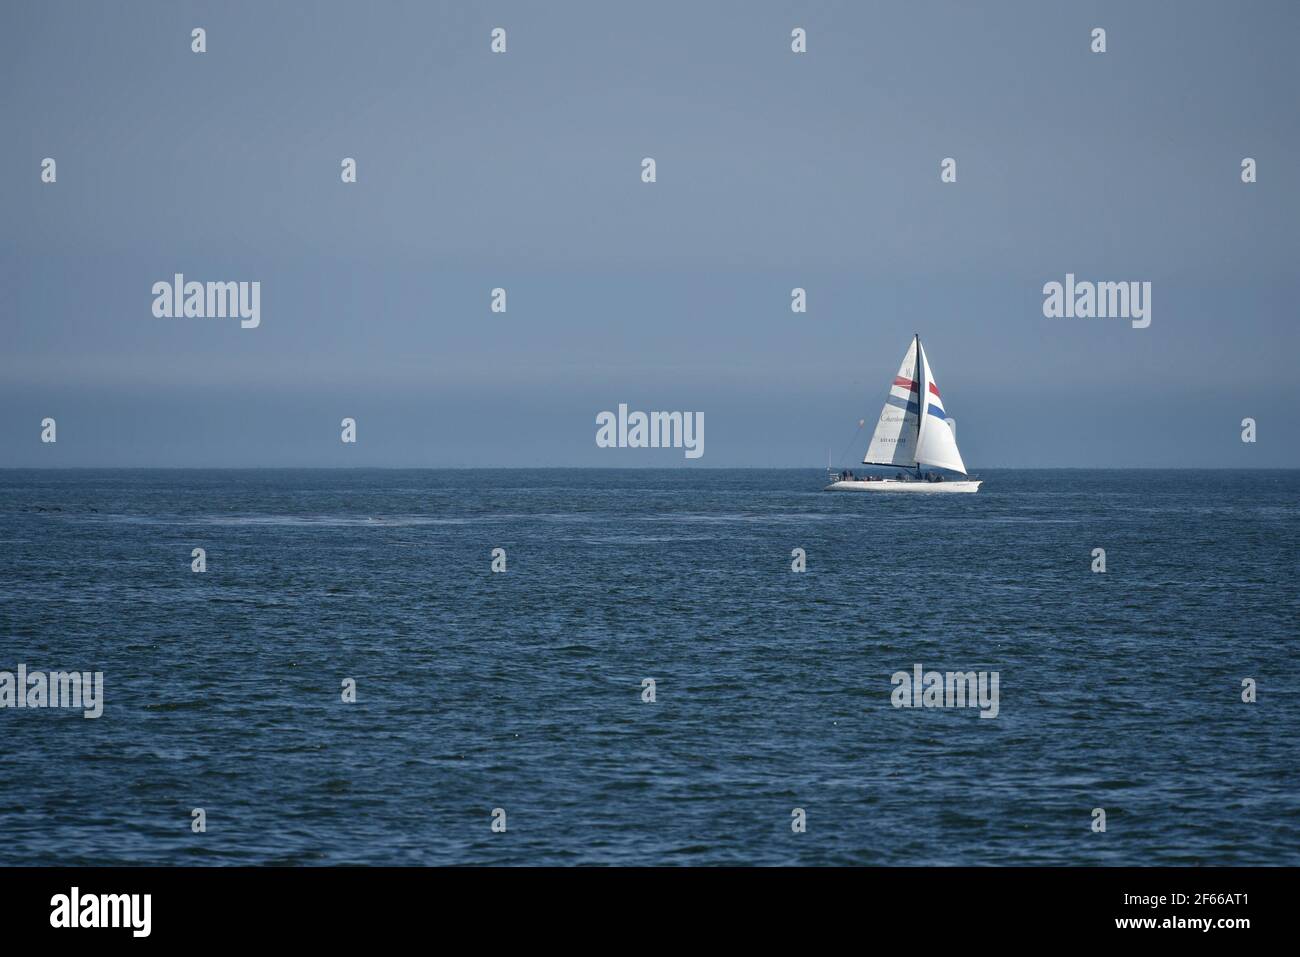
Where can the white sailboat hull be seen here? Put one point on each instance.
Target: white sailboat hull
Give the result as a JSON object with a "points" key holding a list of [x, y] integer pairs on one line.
{"points": [[894, 485]]}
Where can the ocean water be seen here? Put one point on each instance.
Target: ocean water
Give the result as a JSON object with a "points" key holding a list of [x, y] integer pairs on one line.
{"points": [[522, 690]]}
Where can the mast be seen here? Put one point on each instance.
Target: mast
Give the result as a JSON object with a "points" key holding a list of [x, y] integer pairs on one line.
{"points": [[920, 397]]}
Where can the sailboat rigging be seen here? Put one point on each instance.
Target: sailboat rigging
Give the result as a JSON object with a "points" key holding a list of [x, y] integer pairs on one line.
{"points": [[913, 431]]}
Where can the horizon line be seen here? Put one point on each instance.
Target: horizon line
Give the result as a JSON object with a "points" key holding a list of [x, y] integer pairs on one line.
{"points": [[621, 468]]}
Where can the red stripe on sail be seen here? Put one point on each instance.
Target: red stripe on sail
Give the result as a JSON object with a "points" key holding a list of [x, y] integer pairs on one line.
{"points": [[935, 389], [907, 384]]}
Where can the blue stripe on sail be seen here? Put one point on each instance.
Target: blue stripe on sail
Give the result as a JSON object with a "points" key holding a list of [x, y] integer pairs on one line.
{"points": [[899, 403], [935, 410]]}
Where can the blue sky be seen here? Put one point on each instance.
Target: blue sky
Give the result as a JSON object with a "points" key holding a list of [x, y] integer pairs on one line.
{"points": [[521, 170]]}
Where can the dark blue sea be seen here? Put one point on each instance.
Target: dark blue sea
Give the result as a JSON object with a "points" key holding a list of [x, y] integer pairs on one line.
{"points": [[522, 690]]}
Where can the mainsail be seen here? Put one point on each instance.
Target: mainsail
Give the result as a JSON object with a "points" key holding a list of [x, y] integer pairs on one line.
{"points": [[913, 428]]}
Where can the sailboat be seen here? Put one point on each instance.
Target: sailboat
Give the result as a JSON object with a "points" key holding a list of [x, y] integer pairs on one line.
{"points": [[913, 432]]}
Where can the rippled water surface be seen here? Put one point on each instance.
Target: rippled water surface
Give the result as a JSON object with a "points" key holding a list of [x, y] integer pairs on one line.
{"points": [[522, 690]]}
